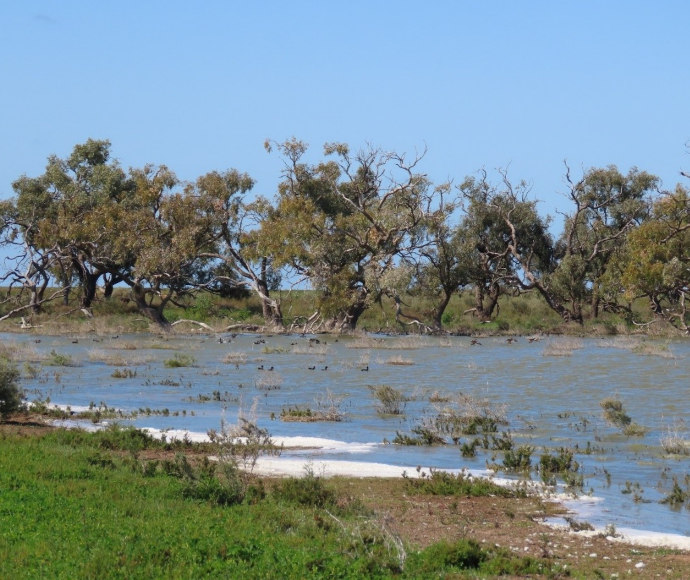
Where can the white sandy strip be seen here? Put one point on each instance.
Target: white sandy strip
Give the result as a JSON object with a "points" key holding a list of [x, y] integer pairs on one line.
{"points": [[635, 537]]}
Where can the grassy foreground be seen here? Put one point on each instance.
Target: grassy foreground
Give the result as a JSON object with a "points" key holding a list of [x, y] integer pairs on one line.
{"points": [[117, 504]]}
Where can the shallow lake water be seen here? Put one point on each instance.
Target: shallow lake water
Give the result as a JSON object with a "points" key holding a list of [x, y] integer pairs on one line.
{"points": [[550, 390]]}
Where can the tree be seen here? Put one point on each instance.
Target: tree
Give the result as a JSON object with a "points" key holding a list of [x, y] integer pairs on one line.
{"points": [[341, 224], [437, 253], [67, 211], [235, 229], [657, 261], [607, 207], [500, 235], [165, 233], [30, 265]]}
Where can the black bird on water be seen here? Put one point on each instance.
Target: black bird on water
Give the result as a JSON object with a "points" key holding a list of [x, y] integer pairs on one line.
{"points": [[365, 369]]}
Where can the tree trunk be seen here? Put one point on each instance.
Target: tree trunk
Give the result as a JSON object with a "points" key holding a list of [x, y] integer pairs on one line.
{"points": [[89, 284], [109, 282], [153, 313], [486, 302], [273, 316], [437, 312]]}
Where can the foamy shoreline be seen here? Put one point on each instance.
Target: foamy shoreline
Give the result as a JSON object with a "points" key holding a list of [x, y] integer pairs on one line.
{"points": [[296, 467]]}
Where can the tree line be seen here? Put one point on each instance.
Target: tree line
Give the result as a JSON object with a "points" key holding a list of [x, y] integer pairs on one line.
{"points": [[358, 227]]}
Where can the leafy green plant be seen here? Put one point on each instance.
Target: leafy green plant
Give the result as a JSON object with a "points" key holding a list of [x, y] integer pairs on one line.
{"points": [[463, 484], [519, 459], [309, 490], [562, 464], [59, 360]]}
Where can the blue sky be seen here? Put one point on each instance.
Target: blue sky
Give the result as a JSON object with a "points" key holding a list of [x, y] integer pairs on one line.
{"points": [[199, 86]]}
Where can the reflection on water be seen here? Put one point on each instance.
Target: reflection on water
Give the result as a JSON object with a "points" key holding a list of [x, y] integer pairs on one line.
{"points": [[551, 390]]}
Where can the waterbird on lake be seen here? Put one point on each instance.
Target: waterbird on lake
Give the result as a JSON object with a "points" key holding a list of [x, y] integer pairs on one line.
{"points": [[260, 368], [475, 341], [312, 368], [365, 369], [511, 340], [325, 368]]}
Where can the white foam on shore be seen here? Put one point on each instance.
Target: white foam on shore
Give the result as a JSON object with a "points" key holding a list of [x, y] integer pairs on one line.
{"points": [[644, 538]]}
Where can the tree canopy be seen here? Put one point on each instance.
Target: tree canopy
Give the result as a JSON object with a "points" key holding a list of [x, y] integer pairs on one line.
{"points": [[357, 226]]}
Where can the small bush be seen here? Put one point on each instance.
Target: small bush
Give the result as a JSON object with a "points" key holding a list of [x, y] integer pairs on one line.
{"points": [[180, 360], [461, 484], [10, 393], [519, 459], [309, 490], [59, 360], [614, 413], [563, 464], [391, 401], [465, 554]]}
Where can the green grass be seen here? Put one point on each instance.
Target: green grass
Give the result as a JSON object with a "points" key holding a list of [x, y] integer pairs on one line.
{"points": [[81, 505]]}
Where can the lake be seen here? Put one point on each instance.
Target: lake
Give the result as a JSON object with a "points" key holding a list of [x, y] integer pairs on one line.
{"points": [[549, 391]]}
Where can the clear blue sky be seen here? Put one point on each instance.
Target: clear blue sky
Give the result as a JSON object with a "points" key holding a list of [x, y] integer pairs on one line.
{"points": [[199, 86]]}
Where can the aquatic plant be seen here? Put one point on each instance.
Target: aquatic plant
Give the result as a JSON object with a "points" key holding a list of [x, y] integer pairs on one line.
{"points": [[390, 400], [519, 459], [614, 412], [675, 441], [180, 360], [59, 360]]}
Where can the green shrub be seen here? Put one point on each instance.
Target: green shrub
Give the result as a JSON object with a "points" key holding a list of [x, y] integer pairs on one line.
{"points": [[59, 360], [10, 393], [519, 459], [465, 554], [461, 484], [309, 490], [180, 360]]}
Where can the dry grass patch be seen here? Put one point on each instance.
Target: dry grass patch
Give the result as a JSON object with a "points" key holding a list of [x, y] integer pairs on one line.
{"points": [[117, 360], [398, 361], [235, 358], [562, 347]]}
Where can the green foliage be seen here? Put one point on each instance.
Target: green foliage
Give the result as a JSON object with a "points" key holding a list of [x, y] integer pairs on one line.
{"points": [[460, 555], [519, 459], [678, 496], [444, 483], [180, 360], [10, 393], [562, 464], [59, 360], [309, 490]]}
